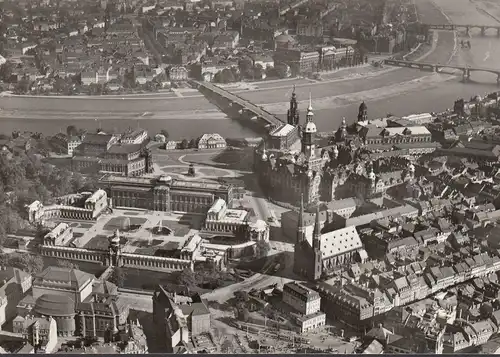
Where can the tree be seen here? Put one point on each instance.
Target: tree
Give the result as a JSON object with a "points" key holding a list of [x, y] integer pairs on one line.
{"points": [[246, 67], [23, 86], [29, 263], [243, 314], [184, 144], [165, 133], [62, 263], [281, 70], [118, 277], [191, 170], [192, 144], [227, 347]]}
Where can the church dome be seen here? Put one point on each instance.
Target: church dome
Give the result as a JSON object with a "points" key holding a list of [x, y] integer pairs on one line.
{"points": [[310, 127], [54, 305], [284, 38], [362, 106]]}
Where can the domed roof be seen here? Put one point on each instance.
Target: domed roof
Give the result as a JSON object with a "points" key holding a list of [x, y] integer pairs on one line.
{"points": [[478, 98], [54, 305], [284, 38], [310, 127], [362, 106]]}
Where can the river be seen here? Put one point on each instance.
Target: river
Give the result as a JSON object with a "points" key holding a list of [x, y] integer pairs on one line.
{"points": [[399, 92]]}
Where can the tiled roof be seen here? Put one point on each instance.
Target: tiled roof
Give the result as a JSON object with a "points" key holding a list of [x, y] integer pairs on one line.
{"points": [[57, 275]]}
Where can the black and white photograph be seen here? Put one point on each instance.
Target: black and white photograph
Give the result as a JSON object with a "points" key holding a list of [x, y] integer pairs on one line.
{"points": [[250, 177]]}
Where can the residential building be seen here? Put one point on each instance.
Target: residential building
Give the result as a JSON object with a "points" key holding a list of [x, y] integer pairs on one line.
{"points": [[211, 141], [301, 298], [180, 323], [14, 285], [40, 332], [178, 73]]}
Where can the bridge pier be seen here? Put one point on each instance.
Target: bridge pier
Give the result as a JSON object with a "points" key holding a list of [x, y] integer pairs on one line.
{"points": [[466, 75], [467, 30], [483, 31], [498, 31], [498, 79]]}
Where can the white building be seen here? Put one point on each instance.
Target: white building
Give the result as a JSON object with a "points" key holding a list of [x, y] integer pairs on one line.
{"points": [[211, 141], [301, 298], [307, 303], [137, 136], [222, 220]]}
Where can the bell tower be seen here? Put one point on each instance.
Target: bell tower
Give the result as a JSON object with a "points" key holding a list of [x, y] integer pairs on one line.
{"points": [[363, 112], [293, 113], [309, 134]]}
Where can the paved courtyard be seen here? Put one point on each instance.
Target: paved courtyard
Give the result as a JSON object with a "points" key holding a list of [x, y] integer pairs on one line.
{"points": [[141, 231]]}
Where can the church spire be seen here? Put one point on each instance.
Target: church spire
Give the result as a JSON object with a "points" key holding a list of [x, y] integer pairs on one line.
{"points": [[300, 221], [293, 112], [317, 230]]}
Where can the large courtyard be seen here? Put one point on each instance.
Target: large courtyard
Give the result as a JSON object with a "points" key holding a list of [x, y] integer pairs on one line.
{"points": [[142, 232]]}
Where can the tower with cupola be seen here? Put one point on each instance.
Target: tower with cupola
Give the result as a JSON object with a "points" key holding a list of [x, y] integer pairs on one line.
{"points": [[293, 116], [309, 134], [363, 112]]}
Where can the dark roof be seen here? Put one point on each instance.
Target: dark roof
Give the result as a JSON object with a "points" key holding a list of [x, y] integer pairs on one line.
{"points": [[57, 275], [124, 148], [54, 305], [97, 138], [195, 309]]}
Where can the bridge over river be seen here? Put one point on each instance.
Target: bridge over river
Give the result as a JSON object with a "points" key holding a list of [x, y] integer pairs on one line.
{"points": [[437, 67], [243, 106], [467, 28]]}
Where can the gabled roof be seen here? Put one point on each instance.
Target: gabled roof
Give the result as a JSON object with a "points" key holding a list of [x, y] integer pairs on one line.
{"points": [[77, 279]]}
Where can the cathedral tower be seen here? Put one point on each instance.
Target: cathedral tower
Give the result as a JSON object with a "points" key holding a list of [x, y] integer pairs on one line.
{"points": [[301, 229], [309, 134], [363, 112], [317, 232], [317, 267], [293, 112]]}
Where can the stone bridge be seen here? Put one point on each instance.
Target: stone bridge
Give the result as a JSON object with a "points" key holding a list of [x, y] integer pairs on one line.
{"points": [[437, 67], [243, 106], [467, 28]]}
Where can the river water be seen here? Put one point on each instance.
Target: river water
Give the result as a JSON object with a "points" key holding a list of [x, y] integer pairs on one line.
{"points": [[418, 92]]}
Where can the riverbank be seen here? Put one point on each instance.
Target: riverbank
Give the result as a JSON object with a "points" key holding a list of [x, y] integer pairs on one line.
{"points": [[399, 91]]}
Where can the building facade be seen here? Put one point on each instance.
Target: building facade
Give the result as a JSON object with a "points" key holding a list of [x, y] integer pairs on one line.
{"points": [[327, 251], [302, 299], [164, 193], [40, 332], [222, 220], [287, 174], [211, 141]]}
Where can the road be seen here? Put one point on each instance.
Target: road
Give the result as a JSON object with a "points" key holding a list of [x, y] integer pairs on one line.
{"points": [[139, 302]]}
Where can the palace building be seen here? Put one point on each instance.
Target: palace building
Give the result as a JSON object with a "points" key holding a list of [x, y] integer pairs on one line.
{"points": [[325, 251], [287, 173], [84, 206], [165, 193]]}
